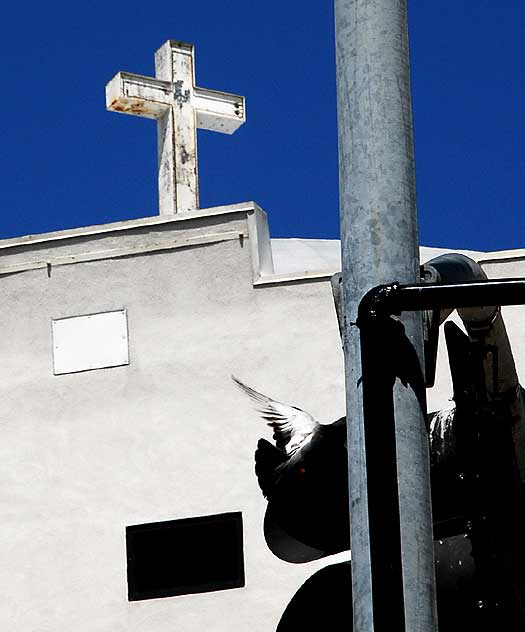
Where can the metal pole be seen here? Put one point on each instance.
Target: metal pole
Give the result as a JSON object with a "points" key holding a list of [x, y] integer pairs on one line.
{"points": [[380, 245]]}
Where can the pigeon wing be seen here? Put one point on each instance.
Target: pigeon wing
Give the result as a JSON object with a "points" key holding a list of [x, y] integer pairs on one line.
{"points": [[292, 427]]}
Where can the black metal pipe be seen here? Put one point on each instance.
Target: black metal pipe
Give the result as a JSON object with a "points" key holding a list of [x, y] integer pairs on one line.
{"points": [[393, 299], [385, 350]]}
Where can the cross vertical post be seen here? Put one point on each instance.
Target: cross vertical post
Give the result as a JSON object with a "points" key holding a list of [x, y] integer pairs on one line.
{"points": [[393, 582], [180, 108]]}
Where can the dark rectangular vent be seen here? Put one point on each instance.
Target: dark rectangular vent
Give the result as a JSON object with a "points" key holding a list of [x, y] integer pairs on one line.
{"points": [[180, 557]]}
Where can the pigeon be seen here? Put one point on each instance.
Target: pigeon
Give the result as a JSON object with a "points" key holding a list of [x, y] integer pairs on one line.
{"points": [[304, 478], [302, 444]]}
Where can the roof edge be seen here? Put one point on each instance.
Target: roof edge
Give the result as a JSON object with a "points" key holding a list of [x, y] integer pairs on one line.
{"points": [[98, 229]]}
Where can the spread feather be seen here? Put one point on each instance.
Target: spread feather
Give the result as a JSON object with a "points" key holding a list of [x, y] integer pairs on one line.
{"points": [[293, 428]]}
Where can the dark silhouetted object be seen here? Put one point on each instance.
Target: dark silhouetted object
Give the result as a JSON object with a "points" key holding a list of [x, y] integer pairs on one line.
{"points": [[187, 556], [324, 602], [304, 478]]}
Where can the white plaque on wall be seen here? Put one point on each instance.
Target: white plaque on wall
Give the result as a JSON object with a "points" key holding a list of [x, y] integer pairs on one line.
{"points": [[95, 341]]}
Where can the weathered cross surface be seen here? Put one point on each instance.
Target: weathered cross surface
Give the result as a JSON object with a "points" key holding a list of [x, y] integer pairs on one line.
{"points": [[179, 108]]}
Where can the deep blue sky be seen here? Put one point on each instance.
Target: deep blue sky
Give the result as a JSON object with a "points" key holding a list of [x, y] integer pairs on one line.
{"points": [[67, 162]]}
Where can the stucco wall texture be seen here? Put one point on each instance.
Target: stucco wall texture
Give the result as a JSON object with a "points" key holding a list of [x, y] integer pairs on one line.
{"points": [[168, 436]]}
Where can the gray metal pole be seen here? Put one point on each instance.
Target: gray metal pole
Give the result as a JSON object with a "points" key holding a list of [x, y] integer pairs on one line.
{"points": [[379, 241]]}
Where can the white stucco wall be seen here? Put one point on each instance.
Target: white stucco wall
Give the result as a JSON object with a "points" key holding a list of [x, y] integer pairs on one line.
{"points": [[168, 436]]}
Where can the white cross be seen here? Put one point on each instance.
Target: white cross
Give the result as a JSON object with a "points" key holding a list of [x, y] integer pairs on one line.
{"points": [[179, 108]]}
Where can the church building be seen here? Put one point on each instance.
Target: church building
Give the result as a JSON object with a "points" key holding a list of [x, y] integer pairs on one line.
{"points": [[129, 499]]}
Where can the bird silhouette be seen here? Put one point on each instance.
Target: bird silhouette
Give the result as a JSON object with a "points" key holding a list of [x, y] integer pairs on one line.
{"points": [[300, 440], [303, 476]]}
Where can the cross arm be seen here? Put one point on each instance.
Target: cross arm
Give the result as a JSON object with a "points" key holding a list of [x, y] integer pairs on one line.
{"points": [[138, 95], [219, 111]]}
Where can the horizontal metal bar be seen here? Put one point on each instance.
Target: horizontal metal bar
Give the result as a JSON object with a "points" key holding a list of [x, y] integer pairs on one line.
{"points": [[390, 299]]}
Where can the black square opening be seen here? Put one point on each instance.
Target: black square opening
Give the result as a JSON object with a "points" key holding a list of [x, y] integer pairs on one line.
{"points": [[181, 557]]}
